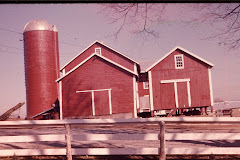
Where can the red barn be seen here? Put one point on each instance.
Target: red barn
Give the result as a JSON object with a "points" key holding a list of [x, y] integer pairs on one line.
{"points": [[179, 80], [99, 81]]}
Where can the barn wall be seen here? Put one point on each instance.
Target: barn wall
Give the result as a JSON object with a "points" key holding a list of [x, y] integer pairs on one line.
{"points": [[193, 69], [106, 52], [141, 91], [97, 74]]}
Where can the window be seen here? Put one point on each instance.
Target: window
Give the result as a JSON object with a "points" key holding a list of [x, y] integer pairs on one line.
{"points": [[98, 51], [145, 85], [179, 63]]}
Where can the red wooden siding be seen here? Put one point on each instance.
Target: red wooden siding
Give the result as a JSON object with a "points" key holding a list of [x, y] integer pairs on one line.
{"points": [[106, 52], [141, 91], [92, 75], [194, 69], [167, 98]]}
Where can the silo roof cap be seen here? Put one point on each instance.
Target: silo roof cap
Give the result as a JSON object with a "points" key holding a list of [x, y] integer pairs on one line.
{"points": [[39, 24]]}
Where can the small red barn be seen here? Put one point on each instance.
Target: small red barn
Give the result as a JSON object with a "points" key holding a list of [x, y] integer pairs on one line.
{"points": [[99, 81], [178, 80]]}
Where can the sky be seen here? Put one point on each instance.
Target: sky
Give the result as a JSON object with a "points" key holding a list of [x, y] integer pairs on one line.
{"points": [[79, 25]]}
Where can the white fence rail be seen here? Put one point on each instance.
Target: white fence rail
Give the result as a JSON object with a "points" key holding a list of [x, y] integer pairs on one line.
{"points": [[162, 150]]}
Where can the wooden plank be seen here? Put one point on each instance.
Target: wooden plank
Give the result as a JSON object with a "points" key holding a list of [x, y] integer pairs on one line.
{"points": [[204, 151], [202, 136], [32, 138], [105, 137], [32, 152], [115, 151], [123, 151], [50, 123], [68, 141], [162, 150]]}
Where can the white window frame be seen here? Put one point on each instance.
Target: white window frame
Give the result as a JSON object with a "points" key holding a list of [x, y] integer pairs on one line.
{"points": [[145, 85], [100, 51], [175, 60]]}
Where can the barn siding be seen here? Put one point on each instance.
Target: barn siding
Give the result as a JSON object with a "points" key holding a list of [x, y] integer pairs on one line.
{"points": [[106, 52], [141, 91], [97, 74], [194, 69]]}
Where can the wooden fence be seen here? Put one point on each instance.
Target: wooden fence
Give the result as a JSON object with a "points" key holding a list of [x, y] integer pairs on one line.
{"points": [[162, 150]]}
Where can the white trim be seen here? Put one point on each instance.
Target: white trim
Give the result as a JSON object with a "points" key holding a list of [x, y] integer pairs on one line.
{"points": [[175, 61], [175, 80], [110, 101], [189, 94], [150, 90], [100, 53], [138, 103], [93, 104], [93, 90], [63, 71], [210, 85], [176, 94], [186, 51], [60, 100], [106, 59], [134, 97], [92, 45]]}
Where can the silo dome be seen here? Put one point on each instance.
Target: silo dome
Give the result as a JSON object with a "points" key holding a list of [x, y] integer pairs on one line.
{"points": [[36, 25]]}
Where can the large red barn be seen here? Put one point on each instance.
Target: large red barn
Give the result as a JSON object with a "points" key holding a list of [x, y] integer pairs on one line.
{"points": [[99, 81], [179, 80]]}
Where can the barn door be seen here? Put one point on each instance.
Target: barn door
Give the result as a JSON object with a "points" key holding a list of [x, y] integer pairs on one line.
{"points": [[182, 94], [177, 91], [167, 98], [101, 101]]}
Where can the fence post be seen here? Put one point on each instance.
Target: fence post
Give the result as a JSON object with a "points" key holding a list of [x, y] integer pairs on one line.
{"points": [[162, 141], [68, 141]]}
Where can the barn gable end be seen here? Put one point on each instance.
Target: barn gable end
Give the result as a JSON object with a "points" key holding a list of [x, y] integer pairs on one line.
{"points": [[100, 81], [99, 48], [179, 79]]}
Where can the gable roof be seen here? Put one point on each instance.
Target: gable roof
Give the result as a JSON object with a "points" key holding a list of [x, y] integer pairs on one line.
{"points": [[186, 51], [103, 45], [102, 57]]}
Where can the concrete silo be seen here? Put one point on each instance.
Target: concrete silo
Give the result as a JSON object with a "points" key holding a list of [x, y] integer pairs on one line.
{"points": [[41, 59]]}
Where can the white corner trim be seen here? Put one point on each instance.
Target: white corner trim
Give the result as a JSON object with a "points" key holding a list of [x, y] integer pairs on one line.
{"points": [[186, 51], [134, 97], [110, 101], [176, 94], [63, 71], [93, 104], [210, 85], [60, 100], [150, 90], [189, 94]]}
